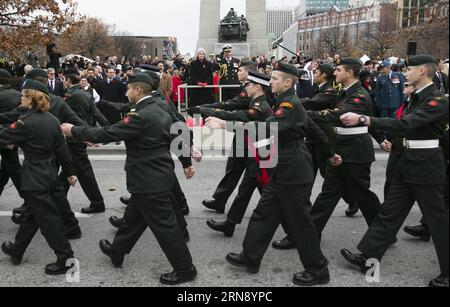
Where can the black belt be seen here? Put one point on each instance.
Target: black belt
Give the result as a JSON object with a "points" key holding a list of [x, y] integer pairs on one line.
{"points": [[141, 153], [43, 157]]}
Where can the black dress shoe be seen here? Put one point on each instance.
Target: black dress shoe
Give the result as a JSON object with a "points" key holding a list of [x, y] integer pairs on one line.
{"points": [[116, 259], [179, 277], [116, 222], [285, 244], [352, 210], [421, 232], [307, 279], [214, 205], [125, 200], [358, 260], [227, 228], [57, 268], [440, 282], [240, 260], [8, 249], [74, 234], [93, 210]]}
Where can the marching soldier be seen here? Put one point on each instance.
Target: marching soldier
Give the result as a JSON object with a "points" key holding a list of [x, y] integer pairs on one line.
{"points": [[258, 110], [235, 165], [150, 178], [228, 67], [39, 135], [80, 103], [420, 175], [287, 195], [354, 145], [10, 165]]}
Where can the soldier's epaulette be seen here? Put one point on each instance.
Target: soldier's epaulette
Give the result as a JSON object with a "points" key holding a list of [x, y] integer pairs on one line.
{"points": [[438, 98], [326, 112], [329, 92]]}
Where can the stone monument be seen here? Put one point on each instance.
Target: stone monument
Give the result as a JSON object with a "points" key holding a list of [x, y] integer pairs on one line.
{"points": [[247, 33]]}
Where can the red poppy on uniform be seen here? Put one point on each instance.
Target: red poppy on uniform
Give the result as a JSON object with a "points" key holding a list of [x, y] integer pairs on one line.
{"points": [[126, 120], [13, 126], [433, 103], [357, 100]]}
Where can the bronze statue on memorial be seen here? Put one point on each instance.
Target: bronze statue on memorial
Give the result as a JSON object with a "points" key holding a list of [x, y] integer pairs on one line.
{"points": [[233, 28]]}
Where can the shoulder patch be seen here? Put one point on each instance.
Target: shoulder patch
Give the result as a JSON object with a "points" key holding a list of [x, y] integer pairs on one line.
{"points": [[286, 105], [133, 114], [438, 98]]}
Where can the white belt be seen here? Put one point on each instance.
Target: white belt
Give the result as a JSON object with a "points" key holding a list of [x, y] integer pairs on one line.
{"points": [[416, 144], [352, 131], [264, 143]]}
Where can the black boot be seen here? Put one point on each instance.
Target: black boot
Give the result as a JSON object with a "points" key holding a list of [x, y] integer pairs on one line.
{"points": [[421, 232], [179, 277], [125, 200], [116, 259], [352, 210], [242, 261], [440, 282], [214, 205], [285, 244], [227, 227], [57, 268], [8, 249], [307, 279], [358, 260], [116, 222]]}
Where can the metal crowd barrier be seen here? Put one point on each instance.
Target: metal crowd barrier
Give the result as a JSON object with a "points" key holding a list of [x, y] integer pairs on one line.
{"points": [[186, 87]]}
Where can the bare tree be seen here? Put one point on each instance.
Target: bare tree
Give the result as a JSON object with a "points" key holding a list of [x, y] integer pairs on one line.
{"points": [[378, 42], [89, 39], [331, 41]]}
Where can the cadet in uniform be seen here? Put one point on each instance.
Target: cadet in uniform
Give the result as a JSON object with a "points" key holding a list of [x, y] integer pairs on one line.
{"points": [[258, 110], [10, 165], [354, 145], [235, 165], [287, 195], [39, 135], [420, 174], [59, 109], [228, 67], [150, 179], [79, 101]]}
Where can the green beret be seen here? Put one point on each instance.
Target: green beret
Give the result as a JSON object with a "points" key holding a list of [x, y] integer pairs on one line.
{"points": [[350, 61], [38, 72], [421, 59], [5, 76], [36, 85], [141, 77], [286, 68]]}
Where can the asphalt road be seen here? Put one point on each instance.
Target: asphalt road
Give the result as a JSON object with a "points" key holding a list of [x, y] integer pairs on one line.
{"points": [[408, 263]]}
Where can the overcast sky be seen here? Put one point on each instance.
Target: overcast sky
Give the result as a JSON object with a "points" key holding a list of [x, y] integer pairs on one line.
{"points": [[179, 18]]}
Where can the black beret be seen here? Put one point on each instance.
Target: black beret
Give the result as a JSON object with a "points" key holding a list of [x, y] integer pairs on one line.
{"points": [[71, 71], [286, 68], [258, 78], [148, 67], [5, 75], [326, 68], [152, 74], [364, 74], [38, 72], [350, 61], [36, 85], [421, 59], [141, 77], [247, 64]]}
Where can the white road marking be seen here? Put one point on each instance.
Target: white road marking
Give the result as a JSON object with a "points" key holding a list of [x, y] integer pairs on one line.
{"points": [[77, 215]]}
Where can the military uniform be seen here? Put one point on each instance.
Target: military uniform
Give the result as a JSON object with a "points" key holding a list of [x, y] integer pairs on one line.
{"points": [[79, 101], [40, 137], [287, 195], [420, 177], [357, 152], [10, 165], [228, 76], [150, 179]]}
